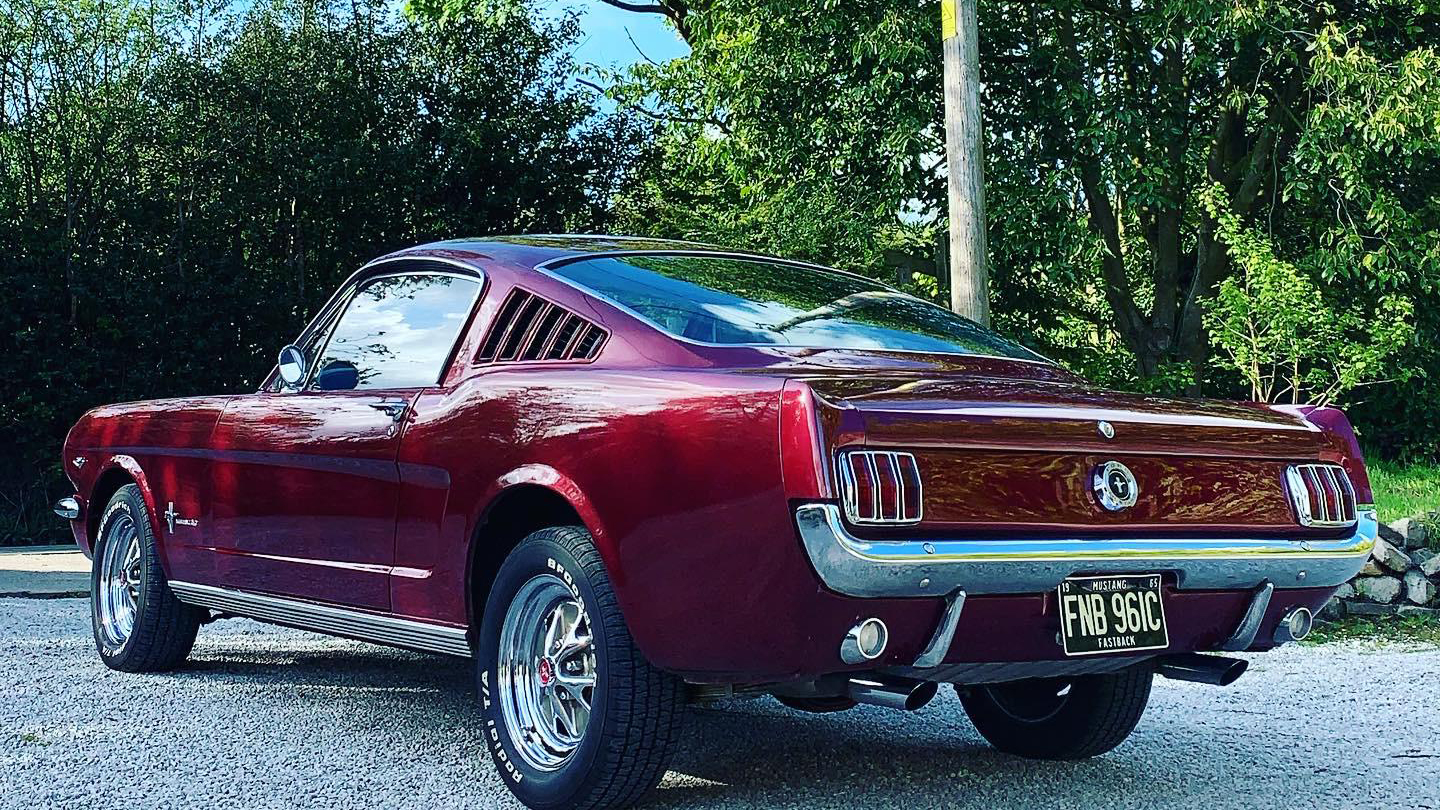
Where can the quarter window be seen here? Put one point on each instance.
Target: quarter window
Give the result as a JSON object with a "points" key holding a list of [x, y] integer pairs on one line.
{"points": [[398, 330]]}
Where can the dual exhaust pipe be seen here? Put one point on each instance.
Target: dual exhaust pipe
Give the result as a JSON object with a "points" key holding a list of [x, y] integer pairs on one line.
{"points": [[909, 694]]}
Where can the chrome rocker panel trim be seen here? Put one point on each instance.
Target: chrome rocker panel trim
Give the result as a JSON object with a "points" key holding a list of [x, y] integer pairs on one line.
{"points": [[335, 621], [899, 568]]}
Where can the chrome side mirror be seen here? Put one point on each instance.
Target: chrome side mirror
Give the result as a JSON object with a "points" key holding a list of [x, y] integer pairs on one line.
{"points": [[292, 366]]}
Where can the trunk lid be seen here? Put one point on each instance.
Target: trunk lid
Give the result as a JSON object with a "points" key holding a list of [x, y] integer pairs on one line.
{"points": [[1006, 454]]}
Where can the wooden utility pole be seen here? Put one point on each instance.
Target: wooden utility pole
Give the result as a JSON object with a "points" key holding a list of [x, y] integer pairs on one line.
{"points": [[969, 277]]}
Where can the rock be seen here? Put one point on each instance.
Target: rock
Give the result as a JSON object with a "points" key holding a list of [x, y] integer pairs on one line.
{"points": [[1333, 610], [1390, 557], [1346, 591], [1418, 589], [1370, 569], [1378, 589], [1420, 556], [1367, 609], [1411, 610], [1431, 567], [1411, 532], [1389, 535]]}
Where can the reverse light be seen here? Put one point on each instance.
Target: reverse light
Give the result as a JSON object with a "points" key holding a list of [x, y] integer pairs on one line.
{"points": [[880, 487], [1322, 495]]}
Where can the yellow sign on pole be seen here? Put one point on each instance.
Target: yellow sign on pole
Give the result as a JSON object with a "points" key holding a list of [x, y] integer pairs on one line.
{"points": [[947, 18]]}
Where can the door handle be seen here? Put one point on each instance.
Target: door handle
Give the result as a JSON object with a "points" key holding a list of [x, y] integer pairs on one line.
{"points": [[395, 410]]}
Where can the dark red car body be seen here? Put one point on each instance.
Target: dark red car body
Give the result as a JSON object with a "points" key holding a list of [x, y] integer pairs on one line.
{"points": [[687, 462]]}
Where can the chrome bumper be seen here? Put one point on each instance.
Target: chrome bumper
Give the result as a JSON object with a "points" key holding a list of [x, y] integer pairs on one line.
{"points": [[897, 568], [68, 508]]}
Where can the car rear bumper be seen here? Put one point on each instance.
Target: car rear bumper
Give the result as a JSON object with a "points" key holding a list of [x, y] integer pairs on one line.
{"points": [[857, 567]]}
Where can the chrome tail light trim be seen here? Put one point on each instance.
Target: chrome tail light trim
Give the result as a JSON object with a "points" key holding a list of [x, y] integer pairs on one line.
{"points": [[1321, 495], [896, 496]]}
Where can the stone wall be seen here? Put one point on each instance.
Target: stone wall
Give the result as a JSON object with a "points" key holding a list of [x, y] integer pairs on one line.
{"points": [[1402, 576]]}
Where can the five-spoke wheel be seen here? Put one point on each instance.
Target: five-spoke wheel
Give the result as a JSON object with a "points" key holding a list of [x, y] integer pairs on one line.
{"points": [[139, 624], [574, 716], [547, 672]]}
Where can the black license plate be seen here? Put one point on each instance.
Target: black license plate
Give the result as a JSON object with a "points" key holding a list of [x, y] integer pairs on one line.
{"points": [[1112, 614]]}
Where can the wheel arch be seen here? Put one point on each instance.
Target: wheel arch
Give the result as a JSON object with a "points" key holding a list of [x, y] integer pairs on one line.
{"points": [[118, 472], [527, 499]]}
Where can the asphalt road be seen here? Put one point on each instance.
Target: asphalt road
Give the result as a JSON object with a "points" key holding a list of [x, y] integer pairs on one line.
{"points": [[265, 717]]}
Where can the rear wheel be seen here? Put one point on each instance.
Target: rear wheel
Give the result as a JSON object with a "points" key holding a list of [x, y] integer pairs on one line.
{"points": [[139, 625], [1060, 718], [574, 715]]}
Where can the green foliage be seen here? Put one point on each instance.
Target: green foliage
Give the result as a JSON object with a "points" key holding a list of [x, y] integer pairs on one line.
{"points": [[1424, 630], [1277, 330], [181, 186], [815, 130], [1406, 490]]}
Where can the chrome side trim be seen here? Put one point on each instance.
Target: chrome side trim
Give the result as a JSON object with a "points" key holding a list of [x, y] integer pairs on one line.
{"points": [[67, 508], [944, 635], [336, 621], [1249, 625], [857, 567]]}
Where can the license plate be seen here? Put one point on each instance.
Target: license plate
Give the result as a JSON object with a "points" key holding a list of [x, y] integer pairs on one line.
{"points": [[1112, 614]]}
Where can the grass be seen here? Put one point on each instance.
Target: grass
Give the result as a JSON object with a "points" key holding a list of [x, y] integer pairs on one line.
{"points": [[1399, 629], [1404, 490]]}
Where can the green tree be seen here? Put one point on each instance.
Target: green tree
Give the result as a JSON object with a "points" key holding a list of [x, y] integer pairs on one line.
{"points": [[181, 186], [814, 129]]}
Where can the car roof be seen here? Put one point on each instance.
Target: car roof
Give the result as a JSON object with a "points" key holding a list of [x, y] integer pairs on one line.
{"points": [[535, 249]]}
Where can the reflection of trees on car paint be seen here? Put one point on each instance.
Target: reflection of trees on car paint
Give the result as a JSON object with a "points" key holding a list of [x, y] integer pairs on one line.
{"points": [[398, 330], [738, 301]]}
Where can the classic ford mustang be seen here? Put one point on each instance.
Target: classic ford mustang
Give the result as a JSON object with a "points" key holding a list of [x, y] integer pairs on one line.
{"points": [[627, 474]]}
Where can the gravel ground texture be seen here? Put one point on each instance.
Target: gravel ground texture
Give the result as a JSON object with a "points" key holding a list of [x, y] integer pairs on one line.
{"points": [[268, 717]]}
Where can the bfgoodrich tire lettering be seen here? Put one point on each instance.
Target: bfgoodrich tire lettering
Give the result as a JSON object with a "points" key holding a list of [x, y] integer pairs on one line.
{"points": [[1060, 718], [635, 711], [138, 624]]}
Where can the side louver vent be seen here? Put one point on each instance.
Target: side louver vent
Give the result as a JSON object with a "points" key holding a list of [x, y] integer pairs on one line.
{"points": [[529, 328]]}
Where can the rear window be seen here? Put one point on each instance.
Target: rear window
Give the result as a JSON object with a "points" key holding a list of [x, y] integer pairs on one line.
{"points": [[730, 301]]}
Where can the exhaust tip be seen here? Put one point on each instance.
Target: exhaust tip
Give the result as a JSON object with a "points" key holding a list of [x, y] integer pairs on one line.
{"points": [[864, 642], [1216, 670], [1295, 625], [891, 692], [921, 696]]}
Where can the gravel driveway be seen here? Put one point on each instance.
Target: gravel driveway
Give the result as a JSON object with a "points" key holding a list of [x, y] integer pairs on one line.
{"points": [[266, 717]]}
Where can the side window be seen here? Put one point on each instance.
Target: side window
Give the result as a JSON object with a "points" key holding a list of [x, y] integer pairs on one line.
{"points": [[396, 332]]}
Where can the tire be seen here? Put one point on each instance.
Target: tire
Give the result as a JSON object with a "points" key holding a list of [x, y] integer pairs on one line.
{"points": [[550, 593], [138, 624], [1032, 719]]}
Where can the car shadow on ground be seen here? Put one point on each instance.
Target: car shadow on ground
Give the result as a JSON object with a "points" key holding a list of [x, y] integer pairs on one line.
{"points": [[753, 753]]}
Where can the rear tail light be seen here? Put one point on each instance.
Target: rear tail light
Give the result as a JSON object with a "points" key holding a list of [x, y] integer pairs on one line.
{"points": [[880, 487], [1321, 494]]}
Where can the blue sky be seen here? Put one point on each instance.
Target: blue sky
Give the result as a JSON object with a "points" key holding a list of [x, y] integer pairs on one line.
{"points": [[604, 42]]}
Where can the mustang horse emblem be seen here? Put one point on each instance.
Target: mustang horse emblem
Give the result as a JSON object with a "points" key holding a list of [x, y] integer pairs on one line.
{"points": [[1115, 486]]}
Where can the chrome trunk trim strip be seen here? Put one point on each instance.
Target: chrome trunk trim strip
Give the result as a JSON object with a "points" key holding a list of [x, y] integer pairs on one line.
{"points": [[335, 621], [854, 566]]}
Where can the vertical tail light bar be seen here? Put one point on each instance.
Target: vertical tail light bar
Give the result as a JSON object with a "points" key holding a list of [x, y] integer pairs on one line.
{"points": [[880, 487], [1321, 494]]}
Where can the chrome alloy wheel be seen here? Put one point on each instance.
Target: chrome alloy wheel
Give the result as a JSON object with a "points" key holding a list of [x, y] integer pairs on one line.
{"points": [[119, 581], [546, 670]]}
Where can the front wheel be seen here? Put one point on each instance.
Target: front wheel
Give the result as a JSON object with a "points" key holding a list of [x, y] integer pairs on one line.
{"points": [[139, 625], [574, 715], [1060, 718]]}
